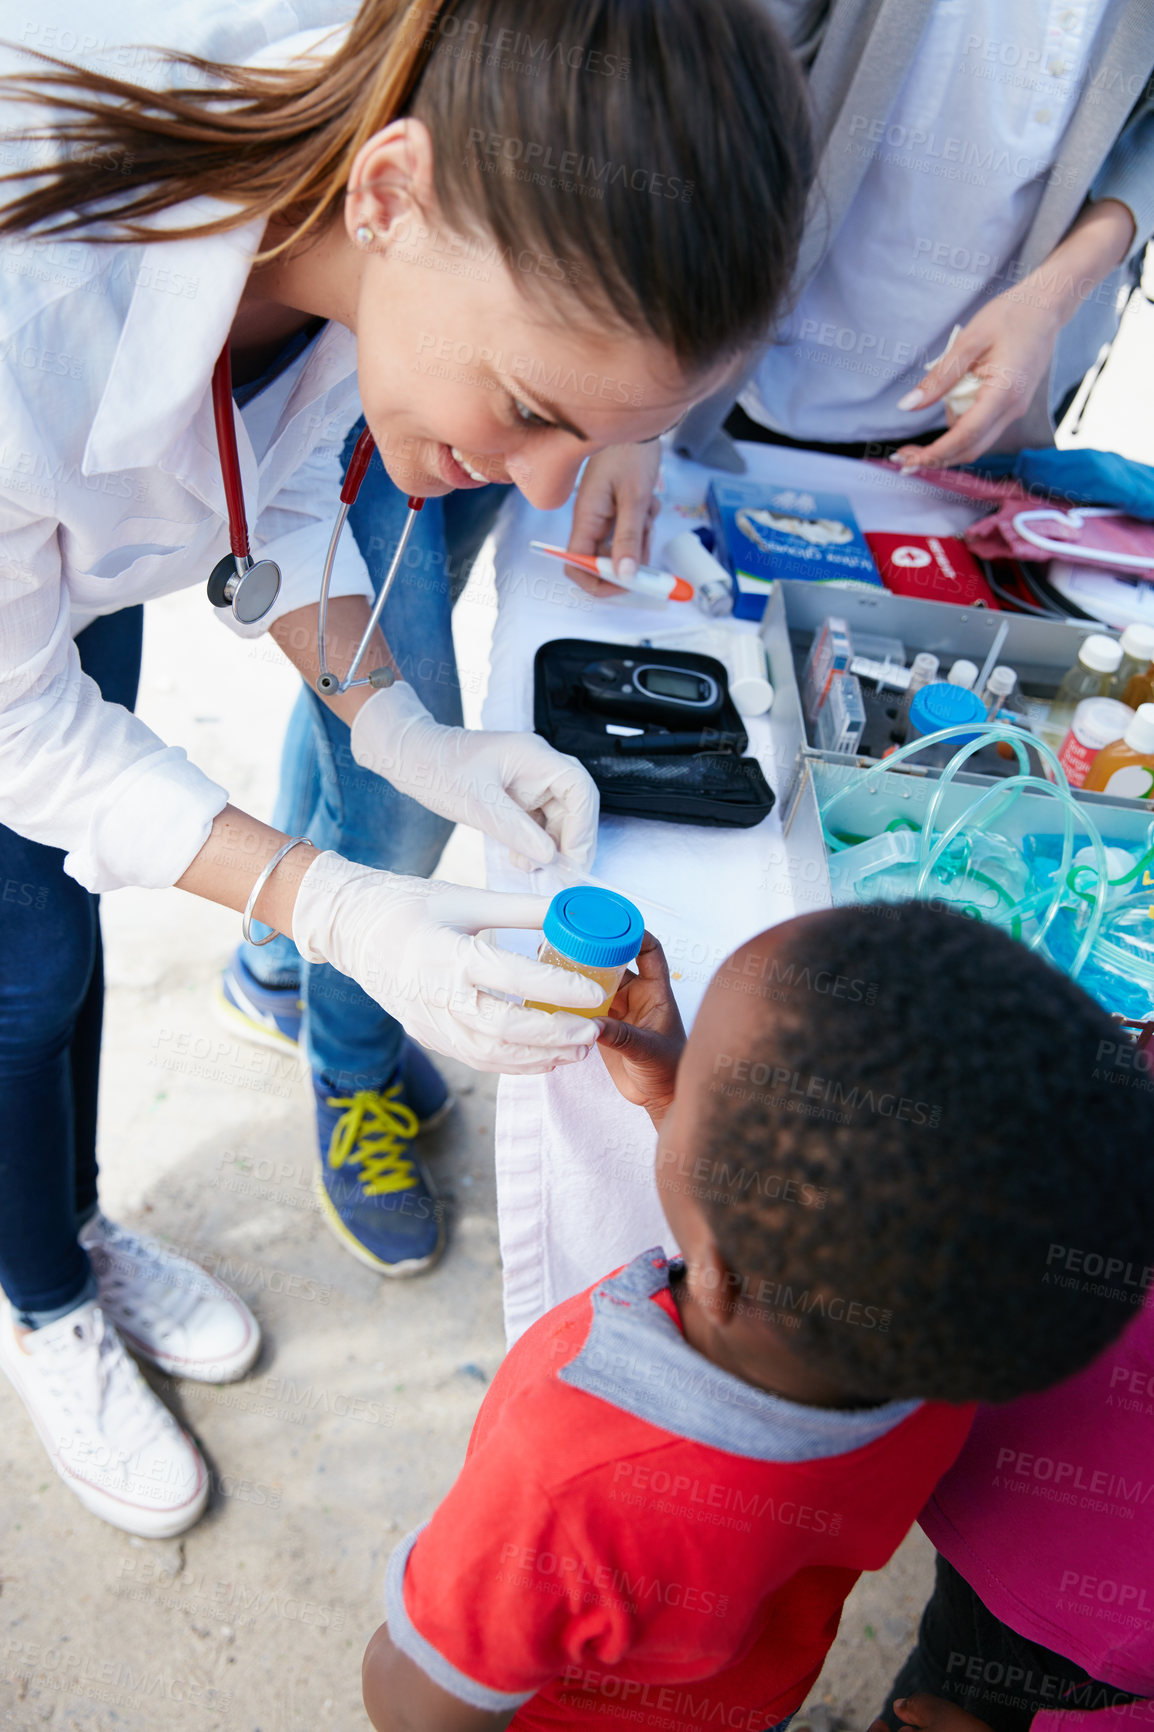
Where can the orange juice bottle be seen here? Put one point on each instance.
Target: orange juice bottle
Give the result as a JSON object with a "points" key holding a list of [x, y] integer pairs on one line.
{"points": [[1137, 653], [1126, 767], [1140, 688], [592, 932]]}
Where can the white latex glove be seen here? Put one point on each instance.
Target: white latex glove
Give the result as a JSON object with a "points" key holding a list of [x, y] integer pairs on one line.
{"points": [[513, 786], [411, 944]]}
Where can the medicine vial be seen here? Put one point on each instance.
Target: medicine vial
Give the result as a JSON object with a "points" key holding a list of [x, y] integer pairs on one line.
{"points": [[923, 672], [749, 685], [592, 932], [1000, 684]]}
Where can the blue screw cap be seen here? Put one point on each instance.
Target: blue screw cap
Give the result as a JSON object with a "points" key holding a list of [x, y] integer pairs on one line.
{"points": [[940, 705], [594, 927]]}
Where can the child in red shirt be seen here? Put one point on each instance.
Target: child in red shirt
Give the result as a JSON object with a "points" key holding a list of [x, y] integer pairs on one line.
{"points": [[879, 1125]]}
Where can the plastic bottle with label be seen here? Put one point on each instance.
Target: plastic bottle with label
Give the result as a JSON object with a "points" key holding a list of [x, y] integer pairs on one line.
{"points": [[592, 932], [1095, 725], [1097, 662], [1126, 767]]}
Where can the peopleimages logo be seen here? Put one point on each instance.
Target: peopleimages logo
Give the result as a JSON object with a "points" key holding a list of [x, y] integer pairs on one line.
{"points": [[828, 1091], [570, 165], [572, 1574]]}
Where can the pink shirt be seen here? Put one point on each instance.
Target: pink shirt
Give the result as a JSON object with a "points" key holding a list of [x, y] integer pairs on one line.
{"points": [[1048, 1513]]}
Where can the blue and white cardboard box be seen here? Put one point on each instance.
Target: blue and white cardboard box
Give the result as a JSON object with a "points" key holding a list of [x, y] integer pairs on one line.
{"points": [[762, 532]]}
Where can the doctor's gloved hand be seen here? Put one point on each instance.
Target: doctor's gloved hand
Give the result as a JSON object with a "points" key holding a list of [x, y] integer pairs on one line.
{"points": [[412, 944], [514, 787]]}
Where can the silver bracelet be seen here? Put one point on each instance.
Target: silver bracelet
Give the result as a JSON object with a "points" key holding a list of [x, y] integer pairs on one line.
{"points": [[262, 880]]}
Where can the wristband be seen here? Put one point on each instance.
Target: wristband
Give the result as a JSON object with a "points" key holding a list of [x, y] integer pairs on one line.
{"points": [[262, 880]]}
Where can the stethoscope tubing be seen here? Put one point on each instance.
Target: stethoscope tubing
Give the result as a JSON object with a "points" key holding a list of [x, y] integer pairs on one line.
{"points": [[224, 414], [327, 682], [1075, 518]]}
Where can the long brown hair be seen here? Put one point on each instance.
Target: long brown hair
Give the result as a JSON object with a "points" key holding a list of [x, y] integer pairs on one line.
{"points": [[661, 148]]}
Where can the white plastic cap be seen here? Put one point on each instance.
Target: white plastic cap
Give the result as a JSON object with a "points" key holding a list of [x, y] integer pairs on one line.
{"points": [[1100, 654], [963, 674], [1138, 641], [1139, 736], [1002, 680], [924, 662]]}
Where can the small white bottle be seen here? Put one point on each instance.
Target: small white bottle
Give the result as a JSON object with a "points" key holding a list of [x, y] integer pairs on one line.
{"points": [[923, 671], [963, 673], [1000, 684]]}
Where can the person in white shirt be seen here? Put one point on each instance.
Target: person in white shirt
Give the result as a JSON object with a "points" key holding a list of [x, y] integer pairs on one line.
{"points": [[985, 166], [515, 241]]}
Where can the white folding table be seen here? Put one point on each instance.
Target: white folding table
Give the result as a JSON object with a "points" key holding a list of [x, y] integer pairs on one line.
{"points": [[576, 1195]]}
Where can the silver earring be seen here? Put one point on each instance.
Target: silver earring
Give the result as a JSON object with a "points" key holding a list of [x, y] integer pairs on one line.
{"points": [[365, 235]]}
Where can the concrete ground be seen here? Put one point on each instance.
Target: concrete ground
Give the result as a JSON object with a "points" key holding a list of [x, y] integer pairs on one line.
{"points": [[355, 1419]]}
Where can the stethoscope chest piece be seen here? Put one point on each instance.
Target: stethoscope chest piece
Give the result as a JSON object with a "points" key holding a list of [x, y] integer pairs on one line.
{"points": [[249, 589]]}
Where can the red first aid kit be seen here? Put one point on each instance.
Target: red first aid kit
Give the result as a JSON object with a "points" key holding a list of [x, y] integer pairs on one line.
{"points": [[931, 567]]}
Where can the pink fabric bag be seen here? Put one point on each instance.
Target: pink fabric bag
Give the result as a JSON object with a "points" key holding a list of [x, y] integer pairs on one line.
{"points": [[1022, 527]]}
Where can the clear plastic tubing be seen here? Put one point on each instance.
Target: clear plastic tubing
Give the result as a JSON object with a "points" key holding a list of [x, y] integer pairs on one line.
{"points": [[592, 932]]}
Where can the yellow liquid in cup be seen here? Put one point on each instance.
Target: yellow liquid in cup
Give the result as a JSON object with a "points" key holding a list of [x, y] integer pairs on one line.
{"points": [[609, 978]]}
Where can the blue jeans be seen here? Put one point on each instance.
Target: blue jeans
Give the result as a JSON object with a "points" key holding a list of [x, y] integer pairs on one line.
{"points": [[51, 1003], [349, 1040]]}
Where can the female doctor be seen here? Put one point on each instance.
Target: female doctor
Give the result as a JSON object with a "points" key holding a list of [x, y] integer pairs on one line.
{"points": [[301, 215]]}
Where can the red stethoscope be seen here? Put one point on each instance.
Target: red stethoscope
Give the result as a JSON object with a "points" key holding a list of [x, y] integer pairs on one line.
{"points": [[249, 587]]}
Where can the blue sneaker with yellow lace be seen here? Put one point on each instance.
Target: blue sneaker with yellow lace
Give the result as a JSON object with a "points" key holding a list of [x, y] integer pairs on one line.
{"points": [[375, 1191], [271, 1016]]}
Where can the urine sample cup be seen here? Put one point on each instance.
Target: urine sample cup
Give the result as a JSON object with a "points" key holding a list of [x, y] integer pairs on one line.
{"points": [[592, 932]]}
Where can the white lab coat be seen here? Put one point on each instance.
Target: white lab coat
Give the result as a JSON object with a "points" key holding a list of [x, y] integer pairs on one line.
{"points": [[111, 490]]}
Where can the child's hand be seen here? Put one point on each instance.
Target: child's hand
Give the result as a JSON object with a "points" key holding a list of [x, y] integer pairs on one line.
{"points": [[642, 1037], [932, 1714]]}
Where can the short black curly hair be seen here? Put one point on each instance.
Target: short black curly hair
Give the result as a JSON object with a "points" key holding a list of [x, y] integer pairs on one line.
{"points": [[933, 1158]]}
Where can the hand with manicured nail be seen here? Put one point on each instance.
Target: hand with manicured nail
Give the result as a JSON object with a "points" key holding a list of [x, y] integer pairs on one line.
{"points": [[1008, 345], [1007, 348], [614, 512]]}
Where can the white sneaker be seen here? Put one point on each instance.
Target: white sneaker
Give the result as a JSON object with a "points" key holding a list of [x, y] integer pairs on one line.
{"points": [[168, 1309], [107, 1435]]}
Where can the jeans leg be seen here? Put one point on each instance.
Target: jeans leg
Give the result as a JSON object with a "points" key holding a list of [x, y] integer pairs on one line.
{"points": [[48, 944], [964, 1654], [348, 1038], [51, 992]]}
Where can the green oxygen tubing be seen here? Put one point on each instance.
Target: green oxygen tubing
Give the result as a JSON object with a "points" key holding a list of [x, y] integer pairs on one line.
{"points": [[1041, 906]]}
